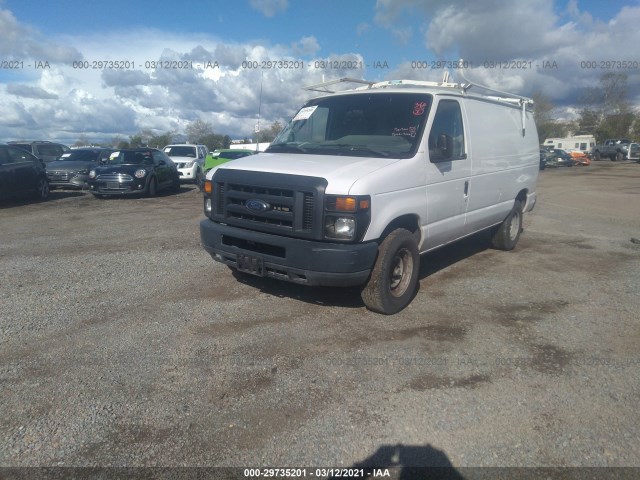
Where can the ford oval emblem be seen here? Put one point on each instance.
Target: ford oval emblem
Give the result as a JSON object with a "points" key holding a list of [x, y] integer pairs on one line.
{"points": [[257, 205]]}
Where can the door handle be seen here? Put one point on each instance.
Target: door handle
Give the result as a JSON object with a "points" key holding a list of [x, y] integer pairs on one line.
{"points": [[466, 188]]}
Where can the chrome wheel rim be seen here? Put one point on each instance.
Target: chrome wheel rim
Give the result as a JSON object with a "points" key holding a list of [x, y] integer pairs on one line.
{"points": [[515, 225], [401, 272]]}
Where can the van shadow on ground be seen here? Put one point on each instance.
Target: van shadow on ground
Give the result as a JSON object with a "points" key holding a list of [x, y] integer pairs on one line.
{"points": [[408, 462], [430, 263]]}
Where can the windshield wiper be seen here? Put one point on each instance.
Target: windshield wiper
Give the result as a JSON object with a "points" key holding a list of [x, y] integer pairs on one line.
{"points": [[356, 148], [283, 147]]}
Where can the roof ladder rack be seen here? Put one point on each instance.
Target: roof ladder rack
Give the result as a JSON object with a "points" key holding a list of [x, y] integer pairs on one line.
{"points": [[322, 87], [509, 97]]}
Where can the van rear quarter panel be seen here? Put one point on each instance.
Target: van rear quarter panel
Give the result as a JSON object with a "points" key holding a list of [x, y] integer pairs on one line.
{"points": [[503, 161]]}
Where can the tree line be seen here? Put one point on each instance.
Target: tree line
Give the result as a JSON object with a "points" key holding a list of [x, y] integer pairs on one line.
{"points": [[604, 111], [197, 132]]}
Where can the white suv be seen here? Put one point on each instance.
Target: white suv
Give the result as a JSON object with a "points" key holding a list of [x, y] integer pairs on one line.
{"points": [[189, 159]]}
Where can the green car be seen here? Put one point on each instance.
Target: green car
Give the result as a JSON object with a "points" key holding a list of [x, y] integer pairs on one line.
{"points": [[218, 157]]}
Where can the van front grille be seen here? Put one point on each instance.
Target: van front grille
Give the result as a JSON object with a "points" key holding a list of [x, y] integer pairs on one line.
{"points": [[275, 203]]}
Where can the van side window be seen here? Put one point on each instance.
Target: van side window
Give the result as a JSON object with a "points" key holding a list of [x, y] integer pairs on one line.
{"points": [[446, 139]]}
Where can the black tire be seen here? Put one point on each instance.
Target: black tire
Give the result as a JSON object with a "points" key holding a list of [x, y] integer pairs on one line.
{"points": [[619, 157], [199, 179], [175, 187], [152, 188], [597, 156], [394, 277], [42, 189], [507, 234]]}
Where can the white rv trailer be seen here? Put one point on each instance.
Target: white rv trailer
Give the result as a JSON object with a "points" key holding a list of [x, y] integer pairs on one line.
{"points": [[577, 143]]}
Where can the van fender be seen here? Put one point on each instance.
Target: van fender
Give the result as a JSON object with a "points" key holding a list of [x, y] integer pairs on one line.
{"points": [[530, 201]]}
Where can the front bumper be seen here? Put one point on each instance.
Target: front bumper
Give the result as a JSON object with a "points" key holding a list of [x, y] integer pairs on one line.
{"points": [[188, 174], [76, 182], [291, 259], [136, 187]]}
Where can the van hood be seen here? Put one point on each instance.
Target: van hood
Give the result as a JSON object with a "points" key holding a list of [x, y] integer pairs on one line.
{"points": [[341, 172]]}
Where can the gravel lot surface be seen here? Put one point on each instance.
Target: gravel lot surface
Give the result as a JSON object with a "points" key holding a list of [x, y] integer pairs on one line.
{"points": [[123, 344]]}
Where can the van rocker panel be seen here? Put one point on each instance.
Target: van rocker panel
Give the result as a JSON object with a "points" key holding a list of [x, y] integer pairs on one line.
{"points": [[295, 260]]}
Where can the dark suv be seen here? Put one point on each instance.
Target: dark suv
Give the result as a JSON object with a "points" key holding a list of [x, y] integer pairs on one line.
{"points": [[44, 150], [21, 174]]}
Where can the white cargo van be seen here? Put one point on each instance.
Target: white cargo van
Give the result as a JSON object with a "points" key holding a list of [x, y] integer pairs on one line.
{"points": [[361, 182]]}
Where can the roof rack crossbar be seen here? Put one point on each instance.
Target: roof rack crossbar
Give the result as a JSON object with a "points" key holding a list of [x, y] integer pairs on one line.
{"points": [[322, 87]]}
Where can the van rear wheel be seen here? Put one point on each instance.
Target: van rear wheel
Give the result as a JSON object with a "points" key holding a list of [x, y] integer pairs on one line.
{"points": [[507, 234], [394, 277]]}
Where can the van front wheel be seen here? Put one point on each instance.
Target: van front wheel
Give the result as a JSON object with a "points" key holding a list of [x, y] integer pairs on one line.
{"points": [[507, 234], [394, 277]]}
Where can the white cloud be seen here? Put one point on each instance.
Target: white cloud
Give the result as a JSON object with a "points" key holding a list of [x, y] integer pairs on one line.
{"points": [[62, 102], [362, 28], [306, 46], [532, 31], [388, 12], [269, 8], [402, 34], [28, 91], [22, 42]]}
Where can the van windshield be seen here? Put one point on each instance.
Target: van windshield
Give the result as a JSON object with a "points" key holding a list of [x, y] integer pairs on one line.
{"points": [[361, 124]]}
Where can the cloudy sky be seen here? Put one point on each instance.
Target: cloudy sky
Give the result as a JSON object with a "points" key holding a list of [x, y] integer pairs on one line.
{"points": [[165, 63]]}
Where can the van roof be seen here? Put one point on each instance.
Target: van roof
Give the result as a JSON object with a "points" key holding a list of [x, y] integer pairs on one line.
{"points": [[419, 86]]}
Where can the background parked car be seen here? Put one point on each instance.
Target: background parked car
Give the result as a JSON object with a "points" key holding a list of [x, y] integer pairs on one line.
{"points": [[44, 150], [21, 174], [580, 158], [189, 160], [71, 170], [543, 159], [134, 171], [559, 158]]}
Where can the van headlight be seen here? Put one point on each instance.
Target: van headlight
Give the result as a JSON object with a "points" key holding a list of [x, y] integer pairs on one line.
{"points": [[207, 191], [140, 173], [340, 227], [346, 216], [92, 174]]}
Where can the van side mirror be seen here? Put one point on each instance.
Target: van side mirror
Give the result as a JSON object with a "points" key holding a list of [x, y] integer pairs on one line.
{"points": [[444, 149]]}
